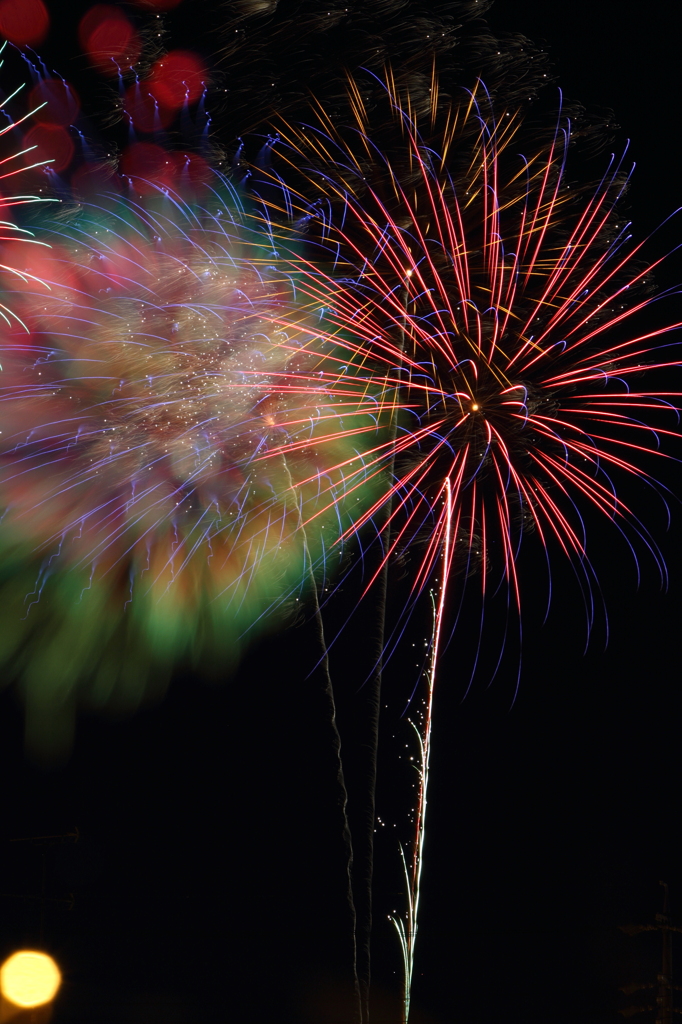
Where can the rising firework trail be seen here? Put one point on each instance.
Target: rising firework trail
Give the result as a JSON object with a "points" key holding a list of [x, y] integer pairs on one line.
{"points": [[504, 318], [407, 926]]}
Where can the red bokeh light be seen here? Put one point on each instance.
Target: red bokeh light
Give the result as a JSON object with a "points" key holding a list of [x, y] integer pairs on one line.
{"points": [[94, 176], [147, 161], [52, 142], [145, 112], [195, 170], [177, 78], [61, 99], [159, 167], [109, 39], [24, 22]]}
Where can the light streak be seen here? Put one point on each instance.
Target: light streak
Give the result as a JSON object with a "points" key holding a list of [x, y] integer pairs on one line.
{"points": [[414, 861]]}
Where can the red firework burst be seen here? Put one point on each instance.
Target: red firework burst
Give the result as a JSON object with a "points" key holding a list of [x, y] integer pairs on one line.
{"points": [[504, 319]]}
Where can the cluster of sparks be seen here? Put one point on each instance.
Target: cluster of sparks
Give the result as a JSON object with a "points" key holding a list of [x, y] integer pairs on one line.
{"points": [[496, 314]]}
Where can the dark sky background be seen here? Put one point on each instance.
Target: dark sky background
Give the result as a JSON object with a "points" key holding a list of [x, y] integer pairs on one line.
{"points": [[198, 890]]}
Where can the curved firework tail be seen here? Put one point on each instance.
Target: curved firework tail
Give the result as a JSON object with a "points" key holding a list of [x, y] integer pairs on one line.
{"points": [[506, 319]]}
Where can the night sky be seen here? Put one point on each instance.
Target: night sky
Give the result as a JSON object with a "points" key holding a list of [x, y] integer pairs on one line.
{"points": [[201, 887]]}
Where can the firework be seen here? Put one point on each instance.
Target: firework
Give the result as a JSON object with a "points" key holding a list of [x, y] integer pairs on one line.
{"points": [[198, 414], [164, 435], [505, 319]]}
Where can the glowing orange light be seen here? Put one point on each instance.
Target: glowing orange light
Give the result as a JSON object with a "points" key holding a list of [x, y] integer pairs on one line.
{"points": [[475, 406], [29, 978]]}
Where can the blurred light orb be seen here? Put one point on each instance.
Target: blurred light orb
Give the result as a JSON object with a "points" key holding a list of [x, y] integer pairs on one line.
{"points": [[109, 39], [29, 978], [24, 22], [53, 143], [177, 78], [58, 102]]}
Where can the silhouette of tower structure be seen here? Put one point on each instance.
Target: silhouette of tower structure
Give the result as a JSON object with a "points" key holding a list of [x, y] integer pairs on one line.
{"points": [[664, 1008]]}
